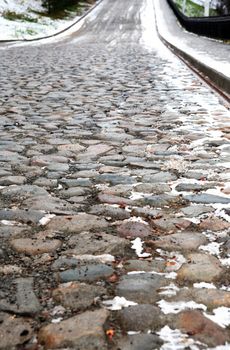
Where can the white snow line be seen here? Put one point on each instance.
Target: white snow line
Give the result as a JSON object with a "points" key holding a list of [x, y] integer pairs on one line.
{"points": [[133, 332], [136, 219], [104, 258], [204, 285], [168, 275], [136, 272], [9, 223]]}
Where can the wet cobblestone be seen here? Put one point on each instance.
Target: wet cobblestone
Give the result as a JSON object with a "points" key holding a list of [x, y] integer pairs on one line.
{"points": [[113, 183]]}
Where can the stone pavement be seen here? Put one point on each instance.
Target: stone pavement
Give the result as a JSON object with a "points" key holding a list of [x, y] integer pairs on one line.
{"points": [[114, 219]]}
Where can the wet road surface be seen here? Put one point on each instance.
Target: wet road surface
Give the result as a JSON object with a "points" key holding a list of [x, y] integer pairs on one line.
{"points": [[114, 218]]}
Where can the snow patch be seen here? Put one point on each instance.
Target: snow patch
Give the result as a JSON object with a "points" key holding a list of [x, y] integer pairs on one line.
{"points": [[57, 320], [138, 195], [9, 223], [58, 310], [178, 306], [133, 332], [169, 290], [204, 285], [174, 259], [171, 275], [225, 288], [136, 219], [46, 219], [195, 221], [225, 261], [217, 192], [222, 214], [137, 246], [117, 303], [212, 248], [102, 187], [175, 340], [221, 316]]}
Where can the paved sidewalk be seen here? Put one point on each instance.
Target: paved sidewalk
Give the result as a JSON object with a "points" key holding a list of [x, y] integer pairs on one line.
{"points": [[209, 56]]}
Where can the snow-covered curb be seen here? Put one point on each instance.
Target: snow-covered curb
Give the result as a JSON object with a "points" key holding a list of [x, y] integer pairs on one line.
{"points": [[44, 28]]}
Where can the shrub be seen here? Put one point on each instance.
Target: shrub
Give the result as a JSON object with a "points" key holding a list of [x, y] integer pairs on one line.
{"points": [[13, 16], [58, 5]]}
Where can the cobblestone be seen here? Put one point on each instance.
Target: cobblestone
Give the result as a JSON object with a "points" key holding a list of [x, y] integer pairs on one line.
{"points": [[113, 183]]}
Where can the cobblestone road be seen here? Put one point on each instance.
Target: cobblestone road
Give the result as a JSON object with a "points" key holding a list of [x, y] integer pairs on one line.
{"points": [[114, 197]]}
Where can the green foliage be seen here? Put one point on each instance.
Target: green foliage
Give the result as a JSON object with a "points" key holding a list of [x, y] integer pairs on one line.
{"points": [[194, 10], [21, 33], [13, 16]]}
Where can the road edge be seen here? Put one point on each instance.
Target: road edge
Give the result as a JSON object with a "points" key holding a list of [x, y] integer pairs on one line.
{"points": [[217, 80]]}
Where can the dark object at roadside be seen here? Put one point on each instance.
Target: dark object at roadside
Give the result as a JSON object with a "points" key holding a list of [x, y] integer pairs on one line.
{"points": [[54, 6], [224, 7]]}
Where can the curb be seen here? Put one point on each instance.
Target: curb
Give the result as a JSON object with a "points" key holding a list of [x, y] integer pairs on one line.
{"points": [[57, 33], [217, 80]]}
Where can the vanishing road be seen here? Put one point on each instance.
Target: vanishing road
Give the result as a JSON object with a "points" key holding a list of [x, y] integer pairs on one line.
{"points": [[114, 196]]}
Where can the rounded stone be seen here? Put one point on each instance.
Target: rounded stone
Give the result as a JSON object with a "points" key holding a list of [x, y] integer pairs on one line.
{"points": [[200, 268], [214, 224], [144, 265], [84, 331], [77, 296], [201, 328], [88, 273], [134, 229], [77, 223], [139, 341], [212, 298], [141, 288], [14, 331], [140, 318], [35, 246], [181, 241]]}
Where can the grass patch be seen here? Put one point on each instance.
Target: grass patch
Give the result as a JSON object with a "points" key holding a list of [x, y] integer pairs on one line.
{"points": [[194, 10], [21, 33], [13, 16]]}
